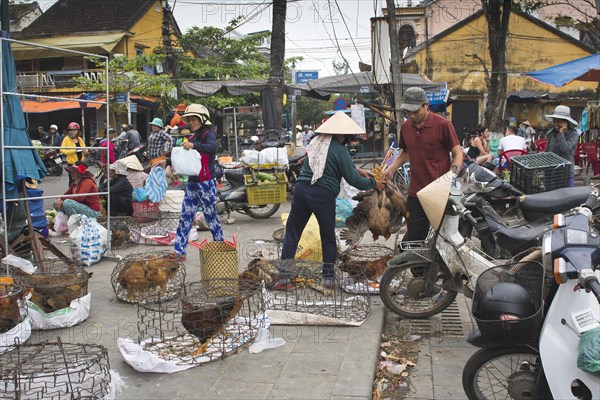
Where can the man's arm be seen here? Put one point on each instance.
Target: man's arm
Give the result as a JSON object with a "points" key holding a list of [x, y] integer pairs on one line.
{"points": [[457, 158], [397, 163]]}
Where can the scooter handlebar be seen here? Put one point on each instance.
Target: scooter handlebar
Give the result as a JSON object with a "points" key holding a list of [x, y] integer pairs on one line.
{"points": [[589, 280]]}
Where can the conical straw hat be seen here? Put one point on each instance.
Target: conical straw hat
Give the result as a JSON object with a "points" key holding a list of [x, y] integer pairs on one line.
{"points": [[434, 198], [340, 124]]}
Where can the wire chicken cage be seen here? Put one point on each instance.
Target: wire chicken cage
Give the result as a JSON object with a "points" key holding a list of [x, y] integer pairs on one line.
{"points": [[55, 371], [305, 299], [147, 277], [155, 227], [54, 285], [11, 305], [122, 230], [208, 321], [362, 267]]}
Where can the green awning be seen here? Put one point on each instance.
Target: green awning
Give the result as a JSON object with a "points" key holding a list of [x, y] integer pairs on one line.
{"points": [[95, 44]]}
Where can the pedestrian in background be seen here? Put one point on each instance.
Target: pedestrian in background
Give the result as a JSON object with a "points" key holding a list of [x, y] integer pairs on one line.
{"points": [[426, 139], [511, 141], [307, 135], [159, 141], [562, 137], [327, 162], [73, 139], [107, 142], [479, 149], [55, 137]]}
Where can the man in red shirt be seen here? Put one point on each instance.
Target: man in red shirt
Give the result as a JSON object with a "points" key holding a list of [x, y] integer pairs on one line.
{"points": [[426, 140]]}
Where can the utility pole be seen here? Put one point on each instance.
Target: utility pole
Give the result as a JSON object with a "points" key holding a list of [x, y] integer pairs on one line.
{"points": [[166, 37], [293, 101], [5, 16], [277, 59], [395, 63]]}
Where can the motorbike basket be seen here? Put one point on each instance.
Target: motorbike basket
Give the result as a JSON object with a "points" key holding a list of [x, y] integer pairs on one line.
{"points": [[495, 330]]}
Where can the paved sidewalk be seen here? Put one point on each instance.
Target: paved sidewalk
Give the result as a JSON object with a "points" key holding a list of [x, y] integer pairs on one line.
{"points": [[317, 362]]}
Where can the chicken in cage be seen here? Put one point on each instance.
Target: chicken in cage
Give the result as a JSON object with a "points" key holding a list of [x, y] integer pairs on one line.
{"points": [[146, 276], [14, 323], [363, 266]]}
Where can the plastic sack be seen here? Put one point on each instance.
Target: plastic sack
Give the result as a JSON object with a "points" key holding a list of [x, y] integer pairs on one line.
{"points": [[309, 246], [60, 222], [139, 195], [77, 312], [88, 239], [343, 209], [20, 263], [185, 162], [273, 155], [172, 201], [588, 352], [156, 184], [249, 157]]}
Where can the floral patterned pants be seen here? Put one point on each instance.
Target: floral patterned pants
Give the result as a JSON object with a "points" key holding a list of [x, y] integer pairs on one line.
{"points": [[198, 193]]}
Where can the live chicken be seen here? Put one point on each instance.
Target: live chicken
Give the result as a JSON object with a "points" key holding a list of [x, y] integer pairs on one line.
{"points": [[358, 270], [379, 211], [208, 319], [139, 276]]}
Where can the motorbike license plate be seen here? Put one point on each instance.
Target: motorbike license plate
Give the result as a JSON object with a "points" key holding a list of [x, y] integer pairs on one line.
{"points": [[58, 160]]}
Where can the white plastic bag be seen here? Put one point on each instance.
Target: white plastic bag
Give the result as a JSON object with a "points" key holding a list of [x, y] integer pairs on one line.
{"points": [[185, 162], [88, 239], [60, 222], [249, 157], [273, 155], [21, 263]]}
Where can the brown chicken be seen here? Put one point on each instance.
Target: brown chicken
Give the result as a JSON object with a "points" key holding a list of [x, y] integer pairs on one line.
{"points": [[358, 270], [140, 276], [380, 211], [207, 320], [260, 269], [10, 314], [54, 292]]}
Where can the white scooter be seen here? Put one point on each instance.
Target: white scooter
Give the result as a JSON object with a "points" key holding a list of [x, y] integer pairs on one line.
{"points": [[544, 364]]}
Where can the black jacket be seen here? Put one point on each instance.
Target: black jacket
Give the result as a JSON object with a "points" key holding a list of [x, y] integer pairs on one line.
{"points": [[120, 196]]}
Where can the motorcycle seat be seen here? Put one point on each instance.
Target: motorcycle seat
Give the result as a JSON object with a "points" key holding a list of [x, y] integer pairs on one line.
{"points": [[294, 158], [540, 205], [517, 239]]}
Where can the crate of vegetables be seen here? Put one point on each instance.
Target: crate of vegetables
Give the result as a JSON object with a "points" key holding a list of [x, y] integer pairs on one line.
{"points": [[266, 187]]}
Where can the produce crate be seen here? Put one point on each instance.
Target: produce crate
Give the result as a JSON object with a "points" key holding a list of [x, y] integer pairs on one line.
{"points": [[266, 192], [539, 172]]}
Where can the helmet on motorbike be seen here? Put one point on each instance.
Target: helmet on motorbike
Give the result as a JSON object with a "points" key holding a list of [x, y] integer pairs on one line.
{"points": [[505, 301], [73, 125], [197, 110]]}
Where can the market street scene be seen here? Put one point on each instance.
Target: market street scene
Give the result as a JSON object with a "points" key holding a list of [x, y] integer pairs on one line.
{"points": [[300, 199]]}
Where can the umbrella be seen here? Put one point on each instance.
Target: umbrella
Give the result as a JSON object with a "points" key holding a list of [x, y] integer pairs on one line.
{"points": [[19, 163], [583, 69]]}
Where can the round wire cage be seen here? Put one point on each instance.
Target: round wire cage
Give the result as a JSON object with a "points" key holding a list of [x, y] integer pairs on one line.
{"points": [[12, 307], [122, 230], [210, 320], [156, 227], [55, 371], [363, 266], [148, 277], [299, 287], [55, 284]]}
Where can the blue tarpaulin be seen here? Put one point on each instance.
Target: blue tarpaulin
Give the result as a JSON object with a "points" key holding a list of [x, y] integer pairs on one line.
{"points": [[583, 69], [19, 163]]}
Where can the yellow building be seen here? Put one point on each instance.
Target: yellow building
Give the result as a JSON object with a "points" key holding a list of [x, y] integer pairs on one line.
{"points": [[109, 28], [460, 56]]}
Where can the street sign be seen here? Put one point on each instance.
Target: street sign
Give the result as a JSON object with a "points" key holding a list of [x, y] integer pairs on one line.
{"points": [[305, 76], [437, 100], [339, 104], [121, 98], [133, 108]]}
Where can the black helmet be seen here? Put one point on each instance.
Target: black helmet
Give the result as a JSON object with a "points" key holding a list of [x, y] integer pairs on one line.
{"points": [[505, 301]]}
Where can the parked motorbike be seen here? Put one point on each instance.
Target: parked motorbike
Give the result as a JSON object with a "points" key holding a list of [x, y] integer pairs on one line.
{"points": [[233, 196], [533, 353], [53, 162], [293, 171], [509, 222], [424, 279]]}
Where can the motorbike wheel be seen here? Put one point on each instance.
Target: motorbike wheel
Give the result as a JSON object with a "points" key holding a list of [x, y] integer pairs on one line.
{"points": [[405, 293], [502, 373], [261, 212]]}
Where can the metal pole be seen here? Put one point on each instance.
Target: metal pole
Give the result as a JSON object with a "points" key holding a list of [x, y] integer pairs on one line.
{"points": [[4, 208], [83, 124], [128, 107], [237, 154], [293, 100], [5, 16]]}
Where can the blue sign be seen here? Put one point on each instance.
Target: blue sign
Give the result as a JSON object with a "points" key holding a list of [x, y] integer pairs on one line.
{"points": [[305, 76], [437, 100], [339, 104], [133, 108], [121, 98]]}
